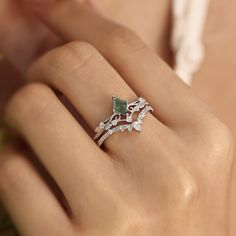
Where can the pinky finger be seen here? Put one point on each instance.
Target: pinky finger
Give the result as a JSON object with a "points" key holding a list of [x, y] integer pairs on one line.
{"points": [[32, 206]]}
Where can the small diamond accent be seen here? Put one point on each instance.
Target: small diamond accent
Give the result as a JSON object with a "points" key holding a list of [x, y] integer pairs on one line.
{"points": [[101, 125], [130, 127], [137, 126], [129, 119], [114, 122]]}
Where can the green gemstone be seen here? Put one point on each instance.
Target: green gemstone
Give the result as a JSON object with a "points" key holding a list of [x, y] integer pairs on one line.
{"points": [[120, 106]]}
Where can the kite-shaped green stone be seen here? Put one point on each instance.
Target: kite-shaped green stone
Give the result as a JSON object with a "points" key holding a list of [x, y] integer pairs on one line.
{"points": [[120, 106]]}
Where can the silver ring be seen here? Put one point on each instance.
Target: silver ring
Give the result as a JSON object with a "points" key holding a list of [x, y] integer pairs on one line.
{"points": [[122, 118]]}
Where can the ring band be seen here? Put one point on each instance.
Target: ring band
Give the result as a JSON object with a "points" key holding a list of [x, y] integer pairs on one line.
{"points": [[122, 118]]}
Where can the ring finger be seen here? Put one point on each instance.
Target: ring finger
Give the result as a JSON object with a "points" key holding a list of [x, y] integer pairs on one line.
{"points": [[80, 72]]}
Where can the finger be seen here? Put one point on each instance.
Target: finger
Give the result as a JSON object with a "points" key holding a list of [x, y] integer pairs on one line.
{"points": [[80, 72], [27, 198], [26, 38], [67, 152], [140, 67]]}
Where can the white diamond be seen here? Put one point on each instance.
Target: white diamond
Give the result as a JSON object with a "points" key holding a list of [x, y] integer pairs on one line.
{"points": [[108, 126], [114, 122], [130, 127], [142, 105], [129, 119], [101, 125], [137, 126], [142, 115]]}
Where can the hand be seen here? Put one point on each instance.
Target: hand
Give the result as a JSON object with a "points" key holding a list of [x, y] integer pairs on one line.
{"points": [[171, 179]]}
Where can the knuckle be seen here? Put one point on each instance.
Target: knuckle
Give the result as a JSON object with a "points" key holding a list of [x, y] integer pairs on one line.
{"points": [[30, 102], [81, 48], [220, 140], [59, 65], [55, 59], [188, 191], [184, 191], [73, 54], [86, 58], [121, 36], [49, 65]]}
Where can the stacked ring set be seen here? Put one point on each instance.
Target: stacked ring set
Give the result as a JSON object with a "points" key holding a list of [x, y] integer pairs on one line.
{"points": [[123, 118]]}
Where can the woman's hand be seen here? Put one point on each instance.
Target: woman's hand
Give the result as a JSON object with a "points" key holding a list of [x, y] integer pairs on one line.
{"points": [[171, 179]]}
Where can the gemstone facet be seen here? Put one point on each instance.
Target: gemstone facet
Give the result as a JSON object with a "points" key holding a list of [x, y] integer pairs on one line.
{"points": [[120, 106]]}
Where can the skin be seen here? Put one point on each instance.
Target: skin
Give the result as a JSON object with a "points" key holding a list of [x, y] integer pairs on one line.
{"points": [[178, 179], [216, 75]]}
